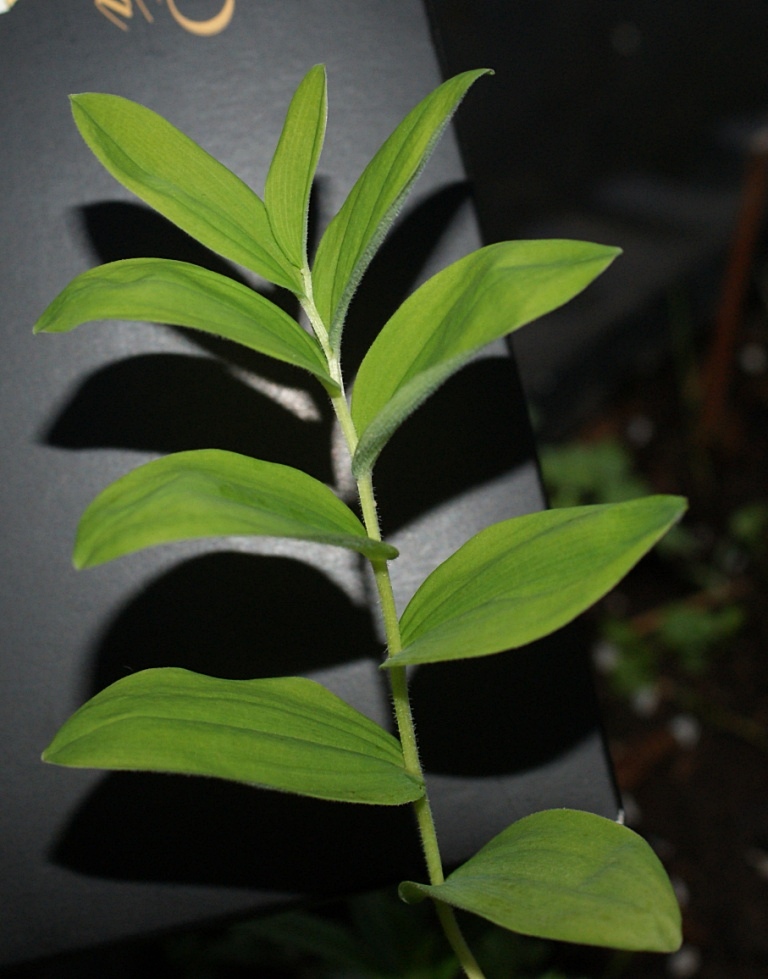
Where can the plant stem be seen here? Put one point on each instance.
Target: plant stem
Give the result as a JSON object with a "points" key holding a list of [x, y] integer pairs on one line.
{"points": [[404, 719], [457, 941], [397, 675]]}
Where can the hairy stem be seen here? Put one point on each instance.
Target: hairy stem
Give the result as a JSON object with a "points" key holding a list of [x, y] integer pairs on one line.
{"points": [[453, 933], [397, 675], [407, 733], [403, 713]]}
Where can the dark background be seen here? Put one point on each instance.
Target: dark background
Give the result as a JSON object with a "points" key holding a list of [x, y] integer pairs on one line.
{"points": [[618, 121]]}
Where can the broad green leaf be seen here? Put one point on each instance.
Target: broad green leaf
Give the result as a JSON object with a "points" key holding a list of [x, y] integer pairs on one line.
{"points": [[569, 876], [289, 181], [170, 172], [522, 579], [165, 291], [285, 733], [351, 239], [480, 298], [213, 493]]}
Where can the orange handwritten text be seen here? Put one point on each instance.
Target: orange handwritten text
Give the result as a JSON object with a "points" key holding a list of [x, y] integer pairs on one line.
{"points": [[121, 11]]}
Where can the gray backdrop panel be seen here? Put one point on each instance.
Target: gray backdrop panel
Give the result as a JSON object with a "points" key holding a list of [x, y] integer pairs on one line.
{"points": [[88, 857]]}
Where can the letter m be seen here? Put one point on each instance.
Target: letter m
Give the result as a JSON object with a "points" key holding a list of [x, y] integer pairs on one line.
{"points": [[115, 9]]}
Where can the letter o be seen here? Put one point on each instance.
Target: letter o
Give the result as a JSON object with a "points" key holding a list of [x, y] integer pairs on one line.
{"points": [[204, 28]]}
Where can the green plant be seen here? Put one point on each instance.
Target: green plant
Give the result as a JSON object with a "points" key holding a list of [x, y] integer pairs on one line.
{"points": [[559, 874], [576, 473], [683, 632], [368, 936]]}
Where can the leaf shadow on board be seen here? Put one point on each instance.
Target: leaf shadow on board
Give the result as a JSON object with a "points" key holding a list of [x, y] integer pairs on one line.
{"points": [[116, 230], [170, 402], [173, 829], [473, 430], [143, 233], [506, 713], [238, 616]]}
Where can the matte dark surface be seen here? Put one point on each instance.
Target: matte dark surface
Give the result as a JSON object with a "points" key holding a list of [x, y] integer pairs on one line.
{"points": [[87, 857]]}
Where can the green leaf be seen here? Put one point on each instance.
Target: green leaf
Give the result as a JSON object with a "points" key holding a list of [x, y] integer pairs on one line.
{"points": [[522, 579], [355, 233], [170, 172], [164, 291], [569, 876], [213, 493], [480, 298], [306, 933], [285, 733], [289, 181]]}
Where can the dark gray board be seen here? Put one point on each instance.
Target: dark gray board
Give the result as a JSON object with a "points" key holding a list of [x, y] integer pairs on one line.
{"points": [[88, 858]]}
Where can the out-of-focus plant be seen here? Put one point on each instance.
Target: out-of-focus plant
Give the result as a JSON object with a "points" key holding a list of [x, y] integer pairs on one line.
{"points": [[679, 635]]}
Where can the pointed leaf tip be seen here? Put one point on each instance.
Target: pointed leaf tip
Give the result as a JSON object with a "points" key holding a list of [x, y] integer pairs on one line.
{"points": [[354, 235], [522, 579], [289, 181], [170, 172], [476, 300]]}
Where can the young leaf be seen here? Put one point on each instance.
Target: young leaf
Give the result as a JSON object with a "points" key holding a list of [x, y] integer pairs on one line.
{"points": [[213, 493], [522, 579], [170, 172], [480, 298], [289, 181], [285, 733], [165, 291], [351, 239], [569, 876]]}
